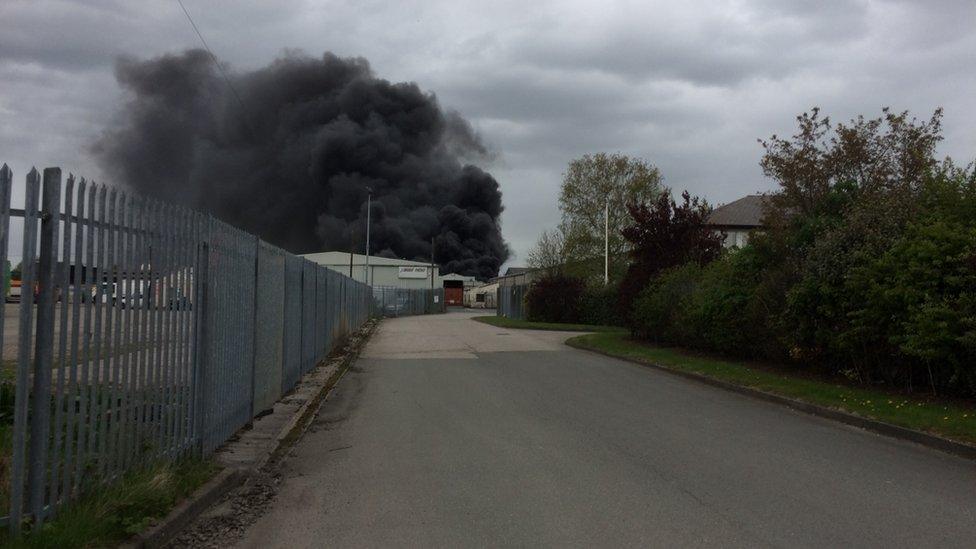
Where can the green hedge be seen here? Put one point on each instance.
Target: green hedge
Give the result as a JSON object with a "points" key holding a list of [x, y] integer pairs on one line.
{"points": [[562, 298], [901, 313], [554, 297], [866, 265], [599, 306]]}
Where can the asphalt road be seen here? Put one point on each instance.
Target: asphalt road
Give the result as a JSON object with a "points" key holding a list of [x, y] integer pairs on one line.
{"points": [[448, 432]]}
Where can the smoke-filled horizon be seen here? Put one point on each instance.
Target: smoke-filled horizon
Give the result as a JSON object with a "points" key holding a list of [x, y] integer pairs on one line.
{"points": [[291, 156]]}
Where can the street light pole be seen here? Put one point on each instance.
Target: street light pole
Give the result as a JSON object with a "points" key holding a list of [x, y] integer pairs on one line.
{"points": [[369, 201], [606, 242]]}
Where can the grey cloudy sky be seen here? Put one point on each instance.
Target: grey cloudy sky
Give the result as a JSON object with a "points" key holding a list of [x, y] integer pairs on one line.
{"points": [[687, 85]]}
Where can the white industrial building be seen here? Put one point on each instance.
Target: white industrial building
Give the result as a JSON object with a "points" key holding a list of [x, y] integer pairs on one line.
{"points": [[383, 271], [398, 273]]}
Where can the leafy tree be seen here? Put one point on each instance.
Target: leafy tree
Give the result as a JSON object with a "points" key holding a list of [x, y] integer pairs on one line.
{"points": [[549, 252], [861, 207], [865, 158], [665, 234], [847, 192], [589, 184]]}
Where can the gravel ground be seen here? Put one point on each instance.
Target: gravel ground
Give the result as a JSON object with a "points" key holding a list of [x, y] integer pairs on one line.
{"points": [[226, 522]]}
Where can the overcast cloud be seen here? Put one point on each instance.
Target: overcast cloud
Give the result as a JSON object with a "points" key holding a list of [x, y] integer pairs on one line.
{"points": [[689, 86]]}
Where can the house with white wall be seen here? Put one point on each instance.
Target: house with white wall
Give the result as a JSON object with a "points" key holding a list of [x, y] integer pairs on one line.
{"points": [[738, 219]]}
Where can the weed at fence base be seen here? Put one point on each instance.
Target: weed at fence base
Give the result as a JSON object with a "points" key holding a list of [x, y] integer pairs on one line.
{"points": [[109, 515]]}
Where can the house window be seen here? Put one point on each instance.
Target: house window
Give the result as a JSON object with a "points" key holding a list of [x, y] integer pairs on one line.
{"points": [[479, 298]]}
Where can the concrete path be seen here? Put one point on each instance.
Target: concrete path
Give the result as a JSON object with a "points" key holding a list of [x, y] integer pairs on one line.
{"points": [[449, 433]]}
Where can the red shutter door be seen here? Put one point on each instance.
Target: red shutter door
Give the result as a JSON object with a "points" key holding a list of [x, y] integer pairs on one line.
{"points": [[453, 296]]}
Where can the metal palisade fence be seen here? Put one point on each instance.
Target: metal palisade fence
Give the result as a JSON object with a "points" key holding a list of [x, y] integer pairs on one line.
{"points": [[511, 301], [392, 301], [145, 332]]}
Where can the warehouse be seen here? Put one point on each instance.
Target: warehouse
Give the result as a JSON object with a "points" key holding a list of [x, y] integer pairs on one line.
{"points": [[383, 271], [398, 273], [455, 286]]}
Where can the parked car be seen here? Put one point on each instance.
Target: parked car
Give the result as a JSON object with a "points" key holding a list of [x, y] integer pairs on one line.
{"points": [[37, 292], [14, 295]]}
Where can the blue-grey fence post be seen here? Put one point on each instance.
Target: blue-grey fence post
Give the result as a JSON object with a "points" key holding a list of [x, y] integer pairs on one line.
{"points": [[60, 391], [44, 340], [23, 352], [254, 324], [202, 332], [6, 182]]}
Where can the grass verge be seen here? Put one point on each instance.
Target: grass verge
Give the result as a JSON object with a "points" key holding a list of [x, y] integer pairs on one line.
{"points": [[951, 420], [110, 515], [505, 322]]}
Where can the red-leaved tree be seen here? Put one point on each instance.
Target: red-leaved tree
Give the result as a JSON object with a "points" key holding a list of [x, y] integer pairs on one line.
{"points": [[665, 234]]}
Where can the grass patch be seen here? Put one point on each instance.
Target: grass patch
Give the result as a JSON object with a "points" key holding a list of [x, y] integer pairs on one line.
{"points": [[6, 461], [954, 420], [110, 515], [505, 322]]}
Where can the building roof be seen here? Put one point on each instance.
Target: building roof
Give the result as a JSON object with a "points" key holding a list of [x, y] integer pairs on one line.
{"points": [[744, 212], [342, 258], [514, 274], [455, 276], [486, 287]]}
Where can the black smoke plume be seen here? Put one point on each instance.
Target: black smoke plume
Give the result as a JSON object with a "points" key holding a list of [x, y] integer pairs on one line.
{"points": [[287, 152]]}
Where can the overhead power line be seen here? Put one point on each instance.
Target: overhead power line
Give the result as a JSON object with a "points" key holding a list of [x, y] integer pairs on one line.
{"points": [[215, 60]]}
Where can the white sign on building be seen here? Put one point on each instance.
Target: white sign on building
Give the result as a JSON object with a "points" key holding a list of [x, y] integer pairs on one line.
{"points": [[412, 272]]}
